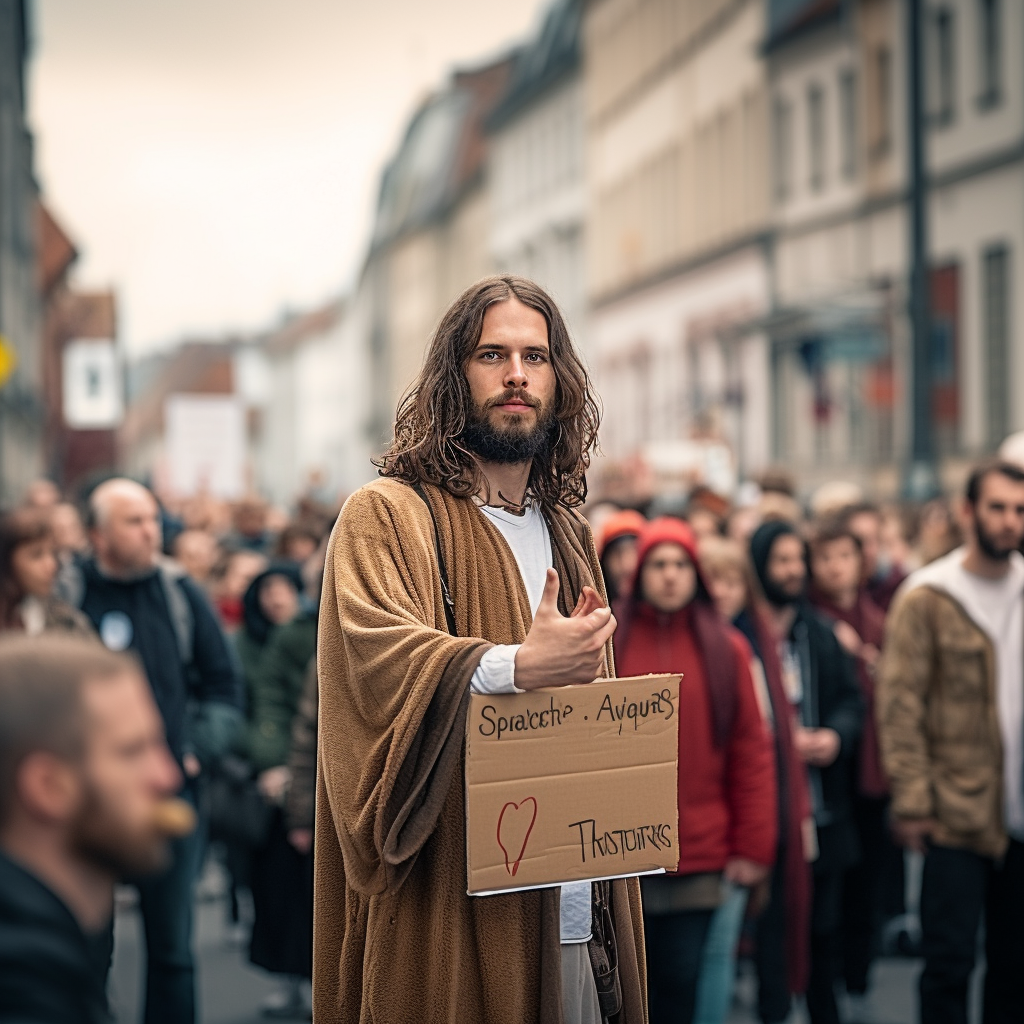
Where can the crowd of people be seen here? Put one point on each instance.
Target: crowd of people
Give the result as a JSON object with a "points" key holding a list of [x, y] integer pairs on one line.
{"points": [[218, 602], [852, 690]]}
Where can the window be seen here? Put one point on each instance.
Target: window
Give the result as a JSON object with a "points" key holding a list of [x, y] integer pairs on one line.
{"points": [[995, 299], [990, 56], [848, 123], [941, 68], [783, 147], [816, 136], [881, 101]]}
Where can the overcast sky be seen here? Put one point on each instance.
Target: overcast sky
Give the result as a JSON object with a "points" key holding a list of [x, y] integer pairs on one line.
{"points": [[217, 160]]}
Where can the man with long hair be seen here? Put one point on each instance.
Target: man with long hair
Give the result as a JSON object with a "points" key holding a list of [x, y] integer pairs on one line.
{"points": [[467, 567]]}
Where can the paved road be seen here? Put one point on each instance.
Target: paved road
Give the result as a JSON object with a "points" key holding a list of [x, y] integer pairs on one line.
{"points": [[231, 990]]}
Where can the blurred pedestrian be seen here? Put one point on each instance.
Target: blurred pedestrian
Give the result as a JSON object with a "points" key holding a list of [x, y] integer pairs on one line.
{"points": [[727, 786], [138, 603], [69, 535], [783, 928], [838, 593], [480, 491], [250, 520], [281, 876], [951, 719], [297, 542], [272, 600], [616, 547], [300, 803], [85, 776], [28, 569], [882, 576], [821, 685], [42, 494], [938, 532], [231, 579], [196, 551]]}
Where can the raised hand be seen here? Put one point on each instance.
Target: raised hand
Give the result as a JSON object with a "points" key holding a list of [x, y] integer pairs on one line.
{"points": [[561, 650]]}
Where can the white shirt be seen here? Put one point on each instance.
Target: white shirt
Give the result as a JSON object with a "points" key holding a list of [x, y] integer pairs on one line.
{"points": [[997, 608], [528, 537]]}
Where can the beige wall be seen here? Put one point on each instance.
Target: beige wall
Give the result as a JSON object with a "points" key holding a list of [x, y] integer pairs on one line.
{"points": [[677, 134]]}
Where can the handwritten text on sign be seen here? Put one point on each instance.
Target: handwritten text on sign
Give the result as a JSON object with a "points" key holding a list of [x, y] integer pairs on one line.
{"points": [[570, 783]]}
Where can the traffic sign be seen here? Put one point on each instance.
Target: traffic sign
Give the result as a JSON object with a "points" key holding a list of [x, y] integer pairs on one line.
{"points": [[8, 360]]}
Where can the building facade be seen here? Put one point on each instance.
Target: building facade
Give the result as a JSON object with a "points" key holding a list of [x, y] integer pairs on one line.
{"points": [[22, 414], [678, 233], [536, 167]]}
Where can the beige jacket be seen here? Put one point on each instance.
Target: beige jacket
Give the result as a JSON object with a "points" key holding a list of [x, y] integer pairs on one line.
{"points": [[938, 721]]}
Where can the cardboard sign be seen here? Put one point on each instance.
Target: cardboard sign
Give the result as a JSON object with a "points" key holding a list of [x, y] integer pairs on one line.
{"points": [[571, 783]]}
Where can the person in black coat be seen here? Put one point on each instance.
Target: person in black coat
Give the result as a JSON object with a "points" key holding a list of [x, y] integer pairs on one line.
{"points": [[84, 780], [138, 603], [820, 681]]}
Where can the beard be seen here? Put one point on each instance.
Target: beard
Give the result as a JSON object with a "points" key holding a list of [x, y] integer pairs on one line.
{"points": [[784, 593], [104, 839], [511, 444], [990, 547]]}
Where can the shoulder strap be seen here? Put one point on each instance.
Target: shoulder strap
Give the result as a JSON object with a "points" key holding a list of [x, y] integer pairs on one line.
{"points": [[182, 618], [449, 604]]}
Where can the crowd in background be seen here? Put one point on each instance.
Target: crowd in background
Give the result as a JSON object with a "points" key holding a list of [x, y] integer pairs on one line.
{"points": [[817, 887]]}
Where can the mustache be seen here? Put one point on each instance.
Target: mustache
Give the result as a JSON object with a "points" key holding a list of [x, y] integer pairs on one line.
{"points": [[512, 395]]}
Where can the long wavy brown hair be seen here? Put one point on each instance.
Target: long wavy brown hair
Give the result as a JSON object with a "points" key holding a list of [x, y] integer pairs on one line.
{"points": [[432, 414]]}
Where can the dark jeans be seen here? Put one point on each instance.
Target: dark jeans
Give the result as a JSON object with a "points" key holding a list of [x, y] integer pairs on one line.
{"points": [[165, 901], [957, 887], [863, 892], [675, 945], [826, 940], [773, 999]]}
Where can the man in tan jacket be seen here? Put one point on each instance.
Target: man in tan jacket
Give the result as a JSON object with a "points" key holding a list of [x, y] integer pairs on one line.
{"points": [[951, 721], [466, 568]]}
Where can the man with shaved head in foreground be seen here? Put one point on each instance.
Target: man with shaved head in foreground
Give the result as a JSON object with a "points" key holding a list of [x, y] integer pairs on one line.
{"points": [[85, 781], [137, 603]]}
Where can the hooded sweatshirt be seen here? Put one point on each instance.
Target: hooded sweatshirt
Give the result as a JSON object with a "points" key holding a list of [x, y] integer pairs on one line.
{"points": [[727, 787]]}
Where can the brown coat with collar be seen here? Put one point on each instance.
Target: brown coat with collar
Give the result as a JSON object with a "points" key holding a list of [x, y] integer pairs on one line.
{"points": [[938, 722], [396, 938]]}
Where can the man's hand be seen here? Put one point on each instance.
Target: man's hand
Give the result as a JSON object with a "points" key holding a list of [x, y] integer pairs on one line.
{"points": [[192, 766], [560, 650], [913, 833], [747, 873], [817, 747]]}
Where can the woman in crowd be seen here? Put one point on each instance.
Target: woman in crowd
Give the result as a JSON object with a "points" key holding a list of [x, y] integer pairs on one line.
{"points": [[784, 928], [616, 547], [727, 789], [837, 591], [28, 568]]}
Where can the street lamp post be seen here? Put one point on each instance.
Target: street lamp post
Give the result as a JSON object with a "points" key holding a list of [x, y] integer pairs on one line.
{"points": [[921, 480]]}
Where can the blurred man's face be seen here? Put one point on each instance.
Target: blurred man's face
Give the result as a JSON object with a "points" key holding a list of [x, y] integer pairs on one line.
{"points": [[279, 600], [867, 528], [836, 567], [728, 591], [997, 520], [668, 579], [511, 385], [126, 772], [196, 550], [68, 532], [786, 569], [127, 540], [35, 566]]}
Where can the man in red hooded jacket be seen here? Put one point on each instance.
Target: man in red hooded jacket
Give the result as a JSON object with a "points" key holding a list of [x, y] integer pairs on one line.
{"points": [[727, 791]]}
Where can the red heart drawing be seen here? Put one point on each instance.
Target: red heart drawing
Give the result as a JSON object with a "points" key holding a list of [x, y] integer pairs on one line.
{"points": [[514, 826]]}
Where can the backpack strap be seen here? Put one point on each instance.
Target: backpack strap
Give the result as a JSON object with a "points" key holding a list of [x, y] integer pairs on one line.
{"points": [[446, 593], [182, 618]]}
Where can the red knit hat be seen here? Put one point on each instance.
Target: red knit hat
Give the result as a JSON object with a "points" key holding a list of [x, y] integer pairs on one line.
{"points": [[667, 530]]}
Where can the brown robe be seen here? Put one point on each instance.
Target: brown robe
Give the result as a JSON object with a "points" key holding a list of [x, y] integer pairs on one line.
{"points": [[396, 938]]}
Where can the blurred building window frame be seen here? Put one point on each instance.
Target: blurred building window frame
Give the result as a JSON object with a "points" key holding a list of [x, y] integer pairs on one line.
{"points": [[941, 53], [816, 141], [990, 56], [782, 147], [882, 97], [848, 123], [995, 283]]}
